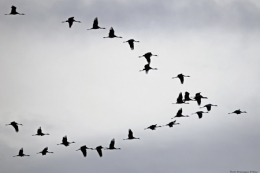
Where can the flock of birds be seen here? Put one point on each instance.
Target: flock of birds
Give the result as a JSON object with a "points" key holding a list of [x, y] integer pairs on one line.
{"points": [[180, 100]]}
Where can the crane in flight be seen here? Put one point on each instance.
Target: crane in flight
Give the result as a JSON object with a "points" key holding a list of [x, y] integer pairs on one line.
{"points": [[83, 149], [179, 114], [14, 12], [99, 150], [112, 146], [111, 34], [147, 68], [130, 135], [181, 77], [21, 154], [131, 43], [39, 132], [208, 106], [187, 97], [65, 141], [237, 112], [70, 21], [180, 100], [198, 98], [44, 151], [152, 127], [148, 56], [171, 124], [15, 125], [95, 25], [199, 113]]}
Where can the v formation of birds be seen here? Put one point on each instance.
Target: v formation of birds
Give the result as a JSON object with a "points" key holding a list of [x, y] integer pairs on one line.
{"points": [[180, 100]]}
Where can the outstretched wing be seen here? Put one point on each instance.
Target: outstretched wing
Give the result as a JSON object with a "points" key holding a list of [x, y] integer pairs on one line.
{"points": [[111, 32], [21, 152], [112, 144], [95, 23], [15, 127], [39, 131], [130, 134], [99, 150], [64, 139]]}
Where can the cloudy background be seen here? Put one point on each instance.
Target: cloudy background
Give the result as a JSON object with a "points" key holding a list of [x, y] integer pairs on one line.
{"points": [[72, 82]]}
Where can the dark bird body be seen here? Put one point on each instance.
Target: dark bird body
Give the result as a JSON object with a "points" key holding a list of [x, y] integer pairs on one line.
{"points": [[237, 112], [179, 114], [65, 142], [147, 68], [148, 56], [99, 150], [70, 21], [39, 132], [14, 12], [200, 113], [44, 151], [15, 125], [181, 77], [171, 124], [131, 43], [152, 127], [83, 149], [95, 25], [111, 34], [198, 98], [112, 146], [208, 106], [21, 154], [130, 135], [187, 97]]}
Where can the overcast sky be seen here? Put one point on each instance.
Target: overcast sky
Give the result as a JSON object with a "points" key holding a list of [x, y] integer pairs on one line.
{"points": [[71, 81]]}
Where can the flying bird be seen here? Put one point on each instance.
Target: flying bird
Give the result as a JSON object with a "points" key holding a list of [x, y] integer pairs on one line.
{"points": [[21, 154], [70, 21], [39, 132], [208, 106], [198, 98], [237, 112], [152, 127], [180, 100], [147, 68], [15, 125], [65, 142], [44, 151], [148, 56], [181, 77], [112, 146], [187, 97], [95, 25], [199, 113], [99, 150], [130, 135], [131, 43], [14, 12], [172, 123], [179, 114], [111, 34], [83, 149]]}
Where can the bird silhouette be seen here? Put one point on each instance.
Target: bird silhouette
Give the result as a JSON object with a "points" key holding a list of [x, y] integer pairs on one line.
{"points": [[199, 113], [208, 106], [65, 141], [15, 125], [237, 112], [180, 100], [70, 21], [187, 97], [21, 154], [181, 77], [44, 151], [112, 146], [111, 34], [198, 98], [39, 132], [179, 114], [131, 43], [152, 127], [147, 68], [83, 149], [148, 56], [95, 25], [14, 12], [99, 150], [130, 135], [171, 124]]}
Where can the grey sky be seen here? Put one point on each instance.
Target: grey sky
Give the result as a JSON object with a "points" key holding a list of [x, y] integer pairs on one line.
{"points": [[72, 82]]}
